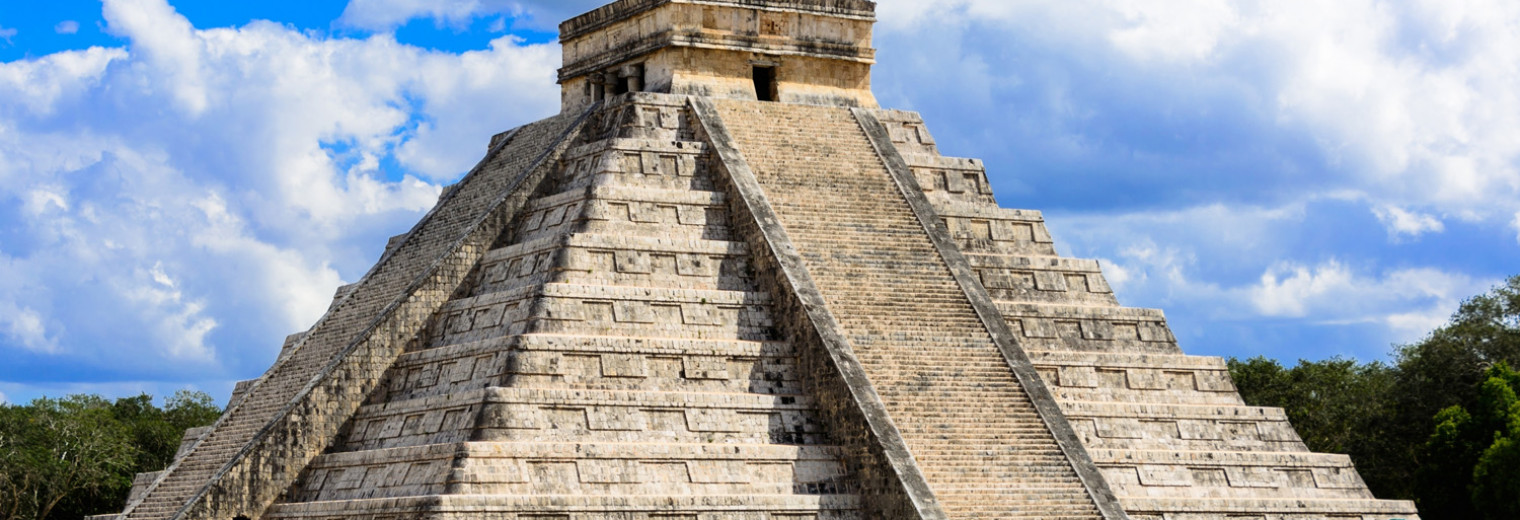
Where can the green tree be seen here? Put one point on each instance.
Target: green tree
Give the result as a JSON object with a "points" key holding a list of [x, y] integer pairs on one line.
{"points": [[1382, 415], [1496, 479], [64, 447], [1469, 469], [67, 458]]}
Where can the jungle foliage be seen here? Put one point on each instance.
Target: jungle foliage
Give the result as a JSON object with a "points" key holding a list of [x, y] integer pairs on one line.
{"points": [[1440, 425], [76, 456]]}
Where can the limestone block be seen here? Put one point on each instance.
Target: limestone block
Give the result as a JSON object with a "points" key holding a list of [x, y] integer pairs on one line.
{"points": [[1165, 476], [609, 471], [1277, 431], [1049, 281], [1198, 430], [712, 420], [1213, 381], [718, 471], [1145, 379], [1078, 377], [1253, 477], [1039, 328], [624, 365], [701, 367], [1115, 428]]}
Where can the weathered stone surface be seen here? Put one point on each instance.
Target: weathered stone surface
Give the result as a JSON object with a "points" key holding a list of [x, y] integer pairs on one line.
{"points": [[684, 303]]}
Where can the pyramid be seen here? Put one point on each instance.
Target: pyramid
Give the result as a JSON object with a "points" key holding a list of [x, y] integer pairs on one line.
{"points": [[724, 284]]}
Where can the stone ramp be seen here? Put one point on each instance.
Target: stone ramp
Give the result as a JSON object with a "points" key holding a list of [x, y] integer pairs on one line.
{"points": [[290, 415], [974, 431]]}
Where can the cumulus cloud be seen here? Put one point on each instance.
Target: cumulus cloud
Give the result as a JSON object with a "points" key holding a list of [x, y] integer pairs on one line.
{"points": [[66, 27], [6, 34], [181, 204], [1331, 292], [24, 327], [1240, 278], [1516, 224], [3, 399], [1407, 224], [385, 15], [1412, 103]]}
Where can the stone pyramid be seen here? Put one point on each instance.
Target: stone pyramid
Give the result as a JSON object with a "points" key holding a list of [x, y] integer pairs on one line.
{"points": [[723, 284]]}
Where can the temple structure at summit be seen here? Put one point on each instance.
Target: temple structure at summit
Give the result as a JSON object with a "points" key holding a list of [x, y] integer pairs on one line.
{"points": [[723, 284]]}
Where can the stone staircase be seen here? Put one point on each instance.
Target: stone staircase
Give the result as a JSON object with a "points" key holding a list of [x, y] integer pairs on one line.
{"points": [[974, 432], [610, 357], [1169, 431], [284, 418]]}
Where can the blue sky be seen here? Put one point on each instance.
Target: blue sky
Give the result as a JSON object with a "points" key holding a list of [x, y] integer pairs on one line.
{"points": [[183, 183]]}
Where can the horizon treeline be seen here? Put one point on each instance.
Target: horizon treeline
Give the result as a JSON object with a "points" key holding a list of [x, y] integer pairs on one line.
{"points": [[1439, 425]]}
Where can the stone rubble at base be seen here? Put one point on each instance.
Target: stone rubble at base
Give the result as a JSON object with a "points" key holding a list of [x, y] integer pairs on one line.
{"points": [[677, 301]]}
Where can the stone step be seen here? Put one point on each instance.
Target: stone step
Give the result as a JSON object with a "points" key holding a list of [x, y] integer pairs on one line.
{"points": [[564, 415], [1182, 427], [585, 507], [675, 211], [559, 308], [597, 362], [602, 196], [1201, 508], [1220, 474], [492, 468], [1043, 279], [618, 260]]}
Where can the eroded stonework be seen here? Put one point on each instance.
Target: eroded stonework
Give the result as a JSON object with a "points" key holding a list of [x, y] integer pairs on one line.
{"points": [[679, 301]]}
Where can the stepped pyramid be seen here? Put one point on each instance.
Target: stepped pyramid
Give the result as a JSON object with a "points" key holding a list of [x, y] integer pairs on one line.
{"points": [[724, 284]]}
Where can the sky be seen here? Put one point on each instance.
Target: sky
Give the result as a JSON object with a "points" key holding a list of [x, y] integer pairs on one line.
{"points": [[185, 182]]}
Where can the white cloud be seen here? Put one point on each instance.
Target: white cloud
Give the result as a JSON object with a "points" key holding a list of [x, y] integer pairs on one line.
{"points": [[385, 15], [1227, 270], [1413, 103], [25, 327], [6, 34], [1409, 301], [3, 399], [1407, 224], [66, 27], [37, 85], [188, 200]]}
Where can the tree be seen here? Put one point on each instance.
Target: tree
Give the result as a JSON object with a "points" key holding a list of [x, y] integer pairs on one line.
{"points": [[1496, 479], [1472, 460], [1425, 427], [1452, 368], [62, 448], [71, 457]]}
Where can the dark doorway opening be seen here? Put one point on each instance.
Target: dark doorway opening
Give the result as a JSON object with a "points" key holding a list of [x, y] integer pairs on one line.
{"points": [[765, 83]]}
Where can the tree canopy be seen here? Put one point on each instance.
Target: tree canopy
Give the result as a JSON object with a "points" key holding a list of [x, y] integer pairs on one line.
{"points": [[76, 456], [1441, 425]]}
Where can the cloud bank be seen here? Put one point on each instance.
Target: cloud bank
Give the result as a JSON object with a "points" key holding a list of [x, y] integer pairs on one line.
{"points": [[181, 204], [1235, 159]]}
